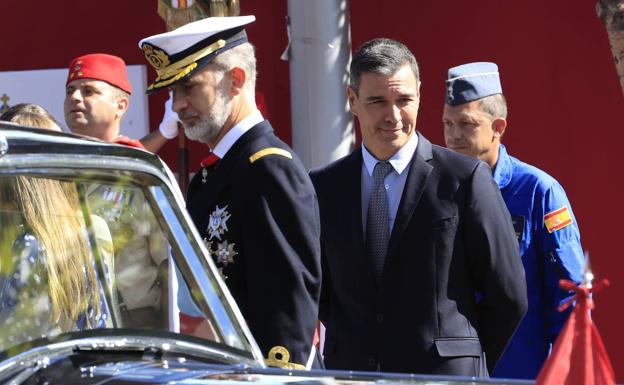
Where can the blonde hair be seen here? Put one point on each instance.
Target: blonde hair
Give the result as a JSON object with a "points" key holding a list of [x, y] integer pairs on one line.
{"points": [[51, 209], [30, 114]]}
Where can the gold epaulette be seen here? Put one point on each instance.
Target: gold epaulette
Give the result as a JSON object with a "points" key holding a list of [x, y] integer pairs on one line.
{"points": [[279, 357], [269, 151]]}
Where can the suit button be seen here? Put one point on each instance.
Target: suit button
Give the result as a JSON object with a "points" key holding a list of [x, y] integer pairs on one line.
{"points": [[371, 362], [379, 318]]}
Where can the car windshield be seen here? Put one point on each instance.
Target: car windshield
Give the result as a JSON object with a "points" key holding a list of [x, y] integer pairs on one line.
{"points": [[93, 249]]}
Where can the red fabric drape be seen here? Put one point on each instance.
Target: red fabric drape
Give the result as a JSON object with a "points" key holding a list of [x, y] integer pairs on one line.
{"points": [[579, 356]]}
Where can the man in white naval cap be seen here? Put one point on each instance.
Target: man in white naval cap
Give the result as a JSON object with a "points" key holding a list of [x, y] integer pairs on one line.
{"points": [[252, 199], [475, 119]]}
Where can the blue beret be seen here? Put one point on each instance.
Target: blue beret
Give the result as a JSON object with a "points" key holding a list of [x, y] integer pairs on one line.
{"points": [[472, 81]]}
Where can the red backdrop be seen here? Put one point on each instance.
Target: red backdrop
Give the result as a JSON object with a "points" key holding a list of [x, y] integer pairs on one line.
{"points": [[556, 67]]}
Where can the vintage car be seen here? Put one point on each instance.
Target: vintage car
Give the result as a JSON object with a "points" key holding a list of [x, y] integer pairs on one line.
{"points": [[104, 279]]}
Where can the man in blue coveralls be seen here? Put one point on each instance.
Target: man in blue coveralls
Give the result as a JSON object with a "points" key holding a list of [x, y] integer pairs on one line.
{"points": [[474, 121]]}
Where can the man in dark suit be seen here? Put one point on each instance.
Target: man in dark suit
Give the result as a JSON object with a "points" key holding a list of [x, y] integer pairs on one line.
{"points": [[252, 200], [421, 271]]}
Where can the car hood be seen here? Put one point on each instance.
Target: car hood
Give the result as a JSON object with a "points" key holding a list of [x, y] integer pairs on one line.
{"points": [[80, 357], [112, 357]]}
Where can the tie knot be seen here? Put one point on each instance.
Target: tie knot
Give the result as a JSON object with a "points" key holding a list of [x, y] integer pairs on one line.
{"points": [[382, 169]]}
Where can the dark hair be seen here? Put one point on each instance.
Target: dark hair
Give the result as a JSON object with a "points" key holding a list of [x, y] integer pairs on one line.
{"points": [[383, 56]]}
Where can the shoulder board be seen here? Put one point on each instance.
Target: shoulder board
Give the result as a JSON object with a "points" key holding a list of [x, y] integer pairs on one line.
{"points": [[269, 151]]}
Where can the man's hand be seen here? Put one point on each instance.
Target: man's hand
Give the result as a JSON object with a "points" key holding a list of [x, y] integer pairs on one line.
{"points": [[167, 129]]}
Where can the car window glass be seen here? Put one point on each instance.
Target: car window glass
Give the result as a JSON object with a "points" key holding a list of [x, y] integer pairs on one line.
{"points": [[91, 254]]}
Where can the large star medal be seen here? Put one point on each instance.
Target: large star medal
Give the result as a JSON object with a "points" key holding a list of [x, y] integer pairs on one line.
{"points": [[217, 223], [225, 253]]}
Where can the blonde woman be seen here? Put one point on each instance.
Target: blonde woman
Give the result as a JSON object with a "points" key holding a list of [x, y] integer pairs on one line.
{"points": [[30, 114], [48, 282]]}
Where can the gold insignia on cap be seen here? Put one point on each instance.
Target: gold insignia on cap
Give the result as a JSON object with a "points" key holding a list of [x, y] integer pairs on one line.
{"points": [[79, 73], [279, 357], [155, 56], [167, 81], [170, 73], [269, 151]]}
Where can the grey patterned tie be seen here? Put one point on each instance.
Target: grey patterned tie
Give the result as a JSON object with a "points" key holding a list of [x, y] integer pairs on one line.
{"points": [[377, 233]]}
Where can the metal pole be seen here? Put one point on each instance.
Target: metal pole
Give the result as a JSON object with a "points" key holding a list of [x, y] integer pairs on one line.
{"points": [[319, 56]]}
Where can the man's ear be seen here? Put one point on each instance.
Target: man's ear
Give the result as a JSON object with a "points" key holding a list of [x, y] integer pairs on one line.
{"points": [[498, 126], [122, 106], [352, 97], [417, 96], [238, 77]]}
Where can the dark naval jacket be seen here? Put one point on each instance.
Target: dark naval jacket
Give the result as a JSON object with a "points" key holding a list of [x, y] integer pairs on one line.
{"points": [[257, 211]]}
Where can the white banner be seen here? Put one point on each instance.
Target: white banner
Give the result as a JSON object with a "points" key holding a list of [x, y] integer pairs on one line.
{"points": [[47, 88]]}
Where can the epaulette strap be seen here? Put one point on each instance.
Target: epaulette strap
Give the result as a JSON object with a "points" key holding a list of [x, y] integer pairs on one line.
{"points": [[269, 151]]}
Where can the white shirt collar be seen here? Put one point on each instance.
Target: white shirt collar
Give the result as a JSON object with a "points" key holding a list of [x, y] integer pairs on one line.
{"points": [[399, 161], [236, 132]]}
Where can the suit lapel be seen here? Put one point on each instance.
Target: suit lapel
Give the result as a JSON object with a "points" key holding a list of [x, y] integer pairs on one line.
{"points": [[412, 192], [353, 193]]}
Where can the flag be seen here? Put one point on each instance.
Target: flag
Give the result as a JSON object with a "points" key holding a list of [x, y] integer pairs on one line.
{"points": [[579, 356]]}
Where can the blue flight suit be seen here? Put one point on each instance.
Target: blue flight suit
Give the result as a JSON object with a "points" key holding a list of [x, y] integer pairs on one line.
{"points": [[530, 195]]}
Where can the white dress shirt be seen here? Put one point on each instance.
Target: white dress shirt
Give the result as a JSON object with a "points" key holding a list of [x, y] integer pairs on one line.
{"points": [[236, 132]]}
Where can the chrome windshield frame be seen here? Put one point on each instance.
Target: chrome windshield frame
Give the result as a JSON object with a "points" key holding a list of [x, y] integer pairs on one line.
{"points": [[70, 156]]}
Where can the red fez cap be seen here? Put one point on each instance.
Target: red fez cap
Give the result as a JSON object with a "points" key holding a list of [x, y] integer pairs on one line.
{"points": [[100, 66]]}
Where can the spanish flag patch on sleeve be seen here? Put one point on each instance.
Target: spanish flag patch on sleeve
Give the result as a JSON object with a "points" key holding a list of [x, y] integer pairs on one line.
{"points": [[558, 219]]}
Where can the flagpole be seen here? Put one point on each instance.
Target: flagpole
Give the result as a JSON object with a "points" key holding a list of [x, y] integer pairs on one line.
{"points": [[183, 168]]}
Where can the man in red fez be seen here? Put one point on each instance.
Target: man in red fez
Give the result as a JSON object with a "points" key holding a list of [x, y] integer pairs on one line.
{"points": [[96, 100], [97, 97]]}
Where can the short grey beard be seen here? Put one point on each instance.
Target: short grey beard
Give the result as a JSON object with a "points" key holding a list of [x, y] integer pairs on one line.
{"points": [[207, 129], [203, 131]]}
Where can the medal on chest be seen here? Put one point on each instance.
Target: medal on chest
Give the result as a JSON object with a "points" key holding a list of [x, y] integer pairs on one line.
{"points": [[204, 174], [217, 223], [222, 251]]}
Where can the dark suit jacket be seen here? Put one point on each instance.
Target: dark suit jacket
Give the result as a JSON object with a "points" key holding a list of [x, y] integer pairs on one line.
{"points": [[260, 218], [452, 238]]}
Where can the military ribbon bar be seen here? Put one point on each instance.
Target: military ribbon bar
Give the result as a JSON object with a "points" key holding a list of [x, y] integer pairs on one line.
{"points": [[181, 3]]}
